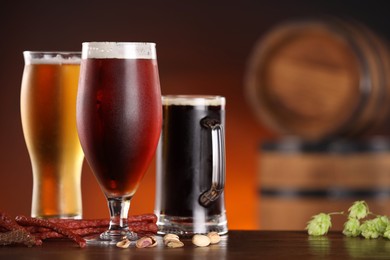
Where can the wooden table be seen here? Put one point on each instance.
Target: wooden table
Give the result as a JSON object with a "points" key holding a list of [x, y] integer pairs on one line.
{"points": [[237, 245]]}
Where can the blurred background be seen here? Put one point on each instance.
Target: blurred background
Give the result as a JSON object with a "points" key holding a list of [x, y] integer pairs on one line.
{"points": [[212, 47]]}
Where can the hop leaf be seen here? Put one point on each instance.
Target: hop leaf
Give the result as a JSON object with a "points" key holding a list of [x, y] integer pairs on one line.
{"points": [[352, 228], [319, 224], [359, 210], [369, 229]]}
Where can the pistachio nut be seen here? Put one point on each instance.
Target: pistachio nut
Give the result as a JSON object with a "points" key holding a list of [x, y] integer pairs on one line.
{"points": [[174, 244], [125, 243], [147, 241], [201, 240], [214, 237]]}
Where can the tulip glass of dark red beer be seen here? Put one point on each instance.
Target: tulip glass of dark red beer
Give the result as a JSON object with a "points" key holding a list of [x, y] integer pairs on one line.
{"points": [[119, 116]]}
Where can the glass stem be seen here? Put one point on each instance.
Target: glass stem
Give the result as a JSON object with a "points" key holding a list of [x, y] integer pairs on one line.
{"points": [[119, 210]]}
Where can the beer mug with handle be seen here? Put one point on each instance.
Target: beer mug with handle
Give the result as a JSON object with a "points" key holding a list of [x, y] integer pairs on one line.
{"points": [[191, 166]]}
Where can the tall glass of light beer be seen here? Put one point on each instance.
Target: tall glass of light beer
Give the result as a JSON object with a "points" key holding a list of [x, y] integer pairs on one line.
{"points": [[48, 111]]}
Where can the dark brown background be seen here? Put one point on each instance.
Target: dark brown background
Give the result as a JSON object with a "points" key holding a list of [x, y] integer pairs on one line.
{"points": [[202, 46]]}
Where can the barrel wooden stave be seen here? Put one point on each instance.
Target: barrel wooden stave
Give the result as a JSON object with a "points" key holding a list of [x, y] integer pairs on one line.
{"points": [[320, 79]]}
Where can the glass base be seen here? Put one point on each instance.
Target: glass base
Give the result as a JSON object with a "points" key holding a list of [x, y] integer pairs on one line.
{"points": [[188, 226], [111, 238]]}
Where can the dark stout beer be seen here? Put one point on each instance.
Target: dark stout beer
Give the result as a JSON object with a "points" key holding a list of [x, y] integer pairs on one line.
{"points": [[185, 166]]}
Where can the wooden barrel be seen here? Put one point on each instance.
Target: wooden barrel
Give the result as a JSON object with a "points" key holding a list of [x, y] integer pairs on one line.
{"points": [[321, 79], [298, 180]]}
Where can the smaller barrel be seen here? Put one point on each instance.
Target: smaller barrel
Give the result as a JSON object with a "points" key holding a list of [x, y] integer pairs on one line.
{"points": [[298, 180], [318, 79]]}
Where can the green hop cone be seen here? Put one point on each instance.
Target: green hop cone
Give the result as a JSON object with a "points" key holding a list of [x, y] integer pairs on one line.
{"points": [[359, 210], [319, 224], [352, 227], [381, 224], [386, 234], [369, 229]]}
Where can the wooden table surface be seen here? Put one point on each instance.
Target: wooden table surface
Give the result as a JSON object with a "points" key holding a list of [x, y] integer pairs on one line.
{"points": [[237, 245]]}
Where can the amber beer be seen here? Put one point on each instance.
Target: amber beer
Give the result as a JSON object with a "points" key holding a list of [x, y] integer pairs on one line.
{"points": [[119, 118], [48, 110]]}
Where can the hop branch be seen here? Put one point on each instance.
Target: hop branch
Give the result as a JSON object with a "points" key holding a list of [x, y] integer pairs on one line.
{"points": [[358, 223]]}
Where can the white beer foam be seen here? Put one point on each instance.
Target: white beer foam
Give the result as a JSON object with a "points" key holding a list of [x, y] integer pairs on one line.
{"points": [[119, 50], [193, 100], [36, 57]]}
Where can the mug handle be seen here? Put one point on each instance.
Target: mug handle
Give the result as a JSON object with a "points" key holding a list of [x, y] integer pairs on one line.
{"points": [[218, 173]]}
